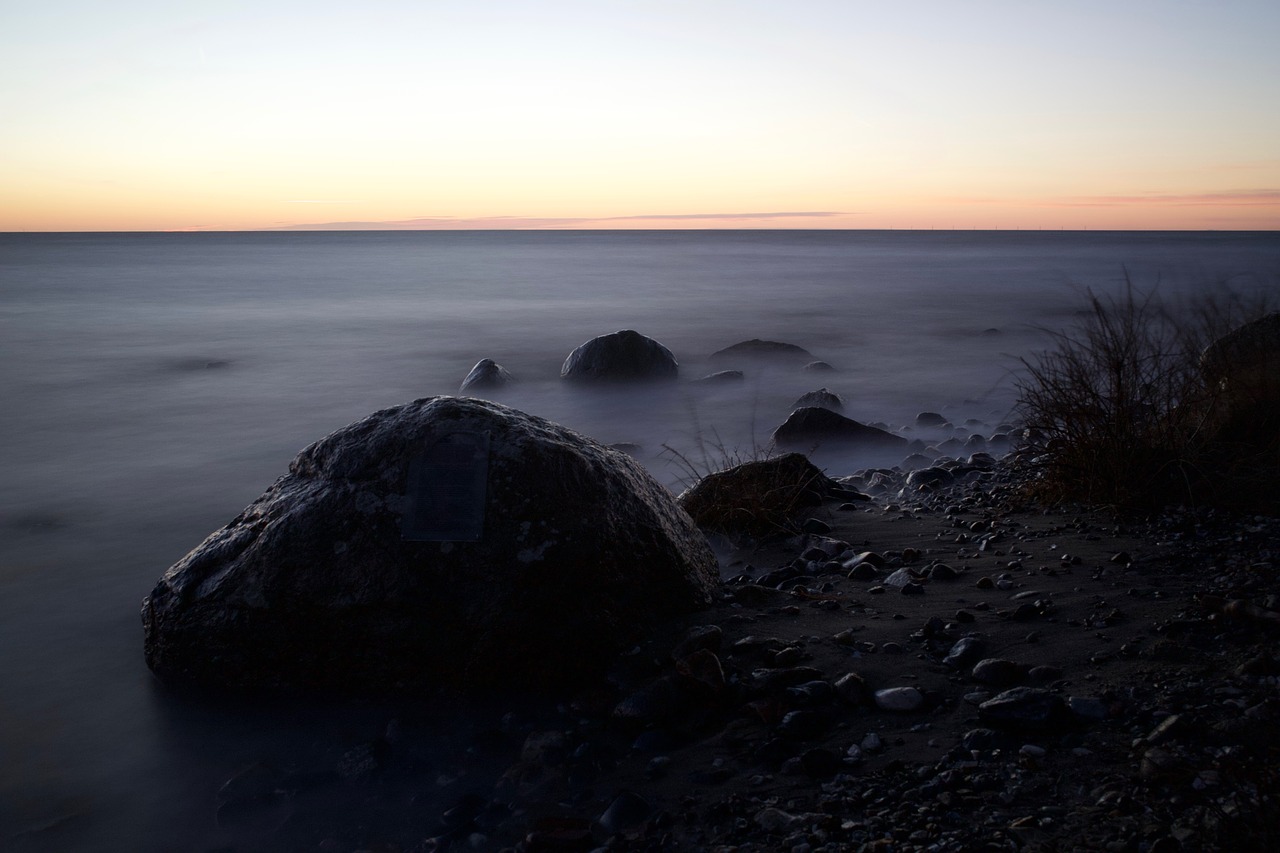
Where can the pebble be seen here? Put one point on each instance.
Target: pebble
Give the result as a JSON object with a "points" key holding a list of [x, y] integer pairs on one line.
{"points": [[852, 688], [965, 651], [900, 578], [773, 820], [998, 672], [899, 699], [1025, 708], [1087, 707]]}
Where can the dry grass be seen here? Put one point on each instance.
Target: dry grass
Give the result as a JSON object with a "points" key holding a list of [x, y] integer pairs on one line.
{"points": [[1118, 407]]}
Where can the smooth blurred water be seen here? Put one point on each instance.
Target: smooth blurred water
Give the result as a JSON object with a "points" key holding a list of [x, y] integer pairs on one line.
{"points": [[152, 385]]}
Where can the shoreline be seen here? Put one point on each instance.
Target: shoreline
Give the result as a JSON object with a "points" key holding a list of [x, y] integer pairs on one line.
{"points": [[753, 736]]}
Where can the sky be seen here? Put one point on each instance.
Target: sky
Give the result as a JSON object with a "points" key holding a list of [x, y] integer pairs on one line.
{"points": [[1124, 114]]}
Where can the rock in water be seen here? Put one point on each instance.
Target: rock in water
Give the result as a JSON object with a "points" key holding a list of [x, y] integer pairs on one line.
{"points": [[822, 398], [313, 586], [756, 349], [485, 376], [812, 425], [622, 356], [721, 377]]}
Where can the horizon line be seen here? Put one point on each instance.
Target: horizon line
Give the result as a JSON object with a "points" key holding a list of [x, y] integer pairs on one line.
{"points": [[562, 229]]}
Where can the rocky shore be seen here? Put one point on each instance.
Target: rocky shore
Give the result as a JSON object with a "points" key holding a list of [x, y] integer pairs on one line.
{"points": [[940, 666]]}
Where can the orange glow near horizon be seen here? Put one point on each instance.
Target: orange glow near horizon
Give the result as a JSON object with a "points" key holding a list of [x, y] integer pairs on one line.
{"points": [[577, 115]]}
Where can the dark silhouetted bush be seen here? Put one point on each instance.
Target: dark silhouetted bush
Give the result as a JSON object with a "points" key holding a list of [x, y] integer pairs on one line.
{"points": [[1120, 413]]}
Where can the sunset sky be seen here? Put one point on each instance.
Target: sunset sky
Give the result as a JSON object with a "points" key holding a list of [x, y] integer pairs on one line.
{"points": [[601, 114]]}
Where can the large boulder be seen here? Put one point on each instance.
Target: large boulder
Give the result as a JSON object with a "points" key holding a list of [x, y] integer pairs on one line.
{"points": [[339, 577], [622, 356], [812, 426], [1243, 367], [487, 375]]}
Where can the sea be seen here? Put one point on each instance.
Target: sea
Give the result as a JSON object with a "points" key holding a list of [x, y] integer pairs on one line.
{"points": [[154, 384]]}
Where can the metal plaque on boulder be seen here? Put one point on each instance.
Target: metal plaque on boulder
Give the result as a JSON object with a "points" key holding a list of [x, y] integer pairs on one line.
{"points": [[448, 484]]}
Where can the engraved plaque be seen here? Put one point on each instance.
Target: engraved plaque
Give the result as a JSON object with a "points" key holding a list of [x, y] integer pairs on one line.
{"points": [[448, 484]]}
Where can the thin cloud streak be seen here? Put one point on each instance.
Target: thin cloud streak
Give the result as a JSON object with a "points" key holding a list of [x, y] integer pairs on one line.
{"points": [[1229, 198], [534, 222], [1265, 197]]}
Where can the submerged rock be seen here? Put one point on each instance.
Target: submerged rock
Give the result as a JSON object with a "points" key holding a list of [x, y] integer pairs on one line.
{"points": [[314, 586], [622, 356], [721, 377], [485, 376], [812, 425]]}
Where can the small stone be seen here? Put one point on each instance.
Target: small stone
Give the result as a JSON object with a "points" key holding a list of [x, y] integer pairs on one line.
{"points": [[658, 766], [871, 742], [853, 689], [1025, 708], [983, 739], [965, 651], [899, 699], [998, 672], [821, 763], [1024, 612], [985, 583], [773, 820], [900, 578], [863, 572], [815, 525], [1044, 674], [943, 572], [804, 724]]}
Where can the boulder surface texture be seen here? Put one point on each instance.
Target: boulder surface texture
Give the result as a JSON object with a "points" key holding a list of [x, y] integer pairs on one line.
{"points": [[312, 587], [624, 356]]}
